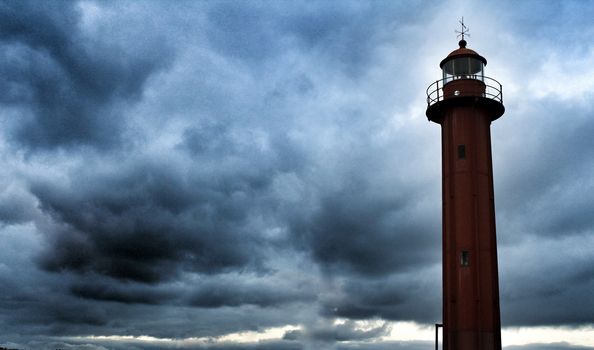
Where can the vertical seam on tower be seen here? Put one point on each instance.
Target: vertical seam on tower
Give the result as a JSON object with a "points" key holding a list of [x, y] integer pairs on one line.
{"points": [[453, 314], [475, 225]]}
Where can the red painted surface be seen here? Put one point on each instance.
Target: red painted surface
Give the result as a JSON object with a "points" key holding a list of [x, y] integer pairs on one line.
{"points": [[470, 292]]}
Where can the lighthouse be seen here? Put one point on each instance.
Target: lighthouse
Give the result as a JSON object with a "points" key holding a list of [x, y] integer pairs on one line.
{"points": [[465, 102]]}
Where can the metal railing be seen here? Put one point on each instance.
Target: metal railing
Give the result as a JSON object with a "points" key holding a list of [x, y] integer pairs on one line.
{"points": [[437, 326], [493, 89]]}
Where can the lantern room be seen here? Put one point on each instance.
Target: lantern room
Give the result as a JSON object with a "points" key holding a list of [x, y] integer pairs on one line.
{"points": [[463, 63], [463, 78]]}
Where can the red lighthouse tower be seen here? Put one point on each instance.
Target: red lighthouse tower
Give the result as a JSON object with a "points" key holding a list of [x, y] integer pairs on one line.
{"points": [[465, 102]]}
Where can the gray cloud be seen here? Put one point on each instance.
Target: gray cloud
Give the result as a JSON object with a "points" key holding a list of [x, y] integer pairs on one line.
{"points": [[258, 292], [16, 206], [327, 333], [66, 85], [553, 346], [411, 345]]}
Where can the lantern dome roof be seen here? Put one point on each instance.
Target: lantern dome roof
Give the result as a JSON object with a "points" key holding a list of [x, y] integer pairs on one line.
{"points": [[462, 51]]}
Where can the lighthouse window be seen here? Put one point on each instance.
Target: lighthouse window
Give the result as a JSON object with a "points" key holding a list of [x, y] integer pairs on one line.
{"points": [[461, 151], [465, 258], [463, 68]]}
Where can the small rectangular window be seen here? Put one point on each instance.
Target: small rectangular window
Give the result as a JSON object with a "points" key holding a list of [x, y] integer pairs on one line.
{"points": [[461, 151], [465, 258]]}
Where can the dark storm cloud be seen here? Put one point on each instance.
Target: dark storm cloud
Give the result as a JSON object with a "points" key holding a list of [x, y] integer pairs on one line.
{"points": [[549, 187], [341, 34], [355, 233], [553, 288], [66, 85], [258, 292], [544, 200], [122, 293], [52, 312], [208, 292], [397, 297], [146, 222]]}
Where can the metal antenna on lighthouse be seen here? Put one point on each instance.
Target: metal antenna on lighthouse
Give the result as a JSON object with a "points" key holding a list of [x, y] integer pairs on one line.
{"points": [[464, 30]]}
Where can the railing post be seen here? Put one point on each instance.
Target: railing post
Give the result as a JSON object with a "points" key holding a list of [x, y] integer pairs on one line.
{"points": [[437, 87], [437, 325]]}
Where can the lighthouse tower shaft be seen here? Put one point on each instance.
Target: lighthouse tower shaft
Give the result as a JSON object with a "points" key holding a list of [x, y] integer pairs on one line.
{"points": [[465, 105], [470, 290]]}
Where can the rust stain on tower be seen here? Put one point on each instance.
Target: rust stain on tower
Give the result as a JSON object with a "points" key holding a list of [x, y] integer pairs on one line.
{"points": [[465, 102]]}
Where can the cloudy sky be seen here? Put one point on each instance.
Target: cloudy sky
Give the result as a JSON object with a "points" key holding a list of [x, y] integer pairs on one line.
{"points": [[261, 174]]}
